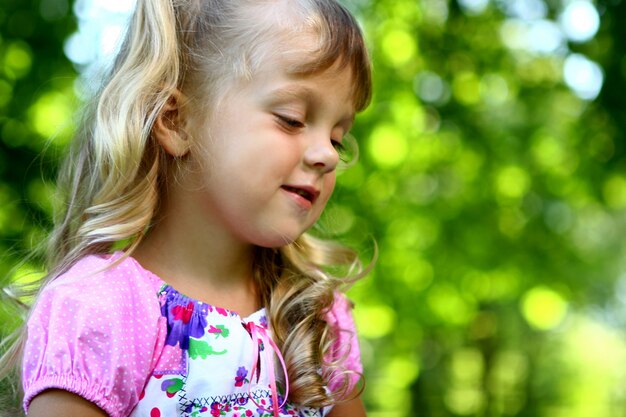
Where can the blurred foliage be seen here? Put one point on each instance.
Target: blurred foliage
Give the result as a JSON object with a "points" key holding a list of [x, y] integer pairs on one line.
{"points": [[496, 195], [36, 105]]}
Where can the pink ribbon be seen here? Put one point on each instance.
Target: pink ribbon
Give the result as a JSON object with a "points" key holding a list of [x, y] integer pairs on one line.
{"points": [[259, 334]]}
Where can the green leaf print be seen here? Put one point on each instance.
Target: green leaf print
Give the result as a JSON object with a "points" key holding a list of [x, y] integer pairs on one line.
{"points": [[219, 331], [172, 386], [224, 331], [200, 348]]}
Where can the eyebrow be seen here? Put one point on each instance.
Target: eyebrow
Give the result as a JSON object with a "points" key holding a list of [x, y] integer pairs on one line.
{"points": [[294, 92]]}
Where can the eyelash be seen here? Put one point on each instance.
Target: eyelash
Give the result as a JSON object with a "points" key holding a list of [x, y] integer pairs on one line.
{"points": [[289, 122], [339, 147], [293, 124]]}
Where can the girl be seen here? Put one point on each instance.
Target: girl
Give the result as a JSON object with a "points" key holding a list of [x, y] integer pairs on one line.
{"points": [[209, 152]]}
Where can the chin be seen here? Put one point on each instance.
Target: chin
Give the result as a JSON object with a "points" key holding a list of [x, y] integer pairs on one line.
{"points": [[276, 240]]}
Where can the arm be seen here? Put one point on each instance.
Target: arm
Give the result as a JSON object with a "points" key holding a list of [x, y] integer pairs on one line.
{"points": [[350, 408], [59, 403]]}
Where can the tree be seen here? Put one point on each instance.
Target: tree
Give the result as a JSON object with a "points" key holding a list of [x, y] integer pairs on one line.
{"points": [[496, 195]]}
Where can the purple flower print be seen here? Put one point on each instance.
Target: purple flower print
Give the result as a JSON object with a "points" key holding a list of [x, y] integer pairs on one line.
{"points": [[242, 373], [263, 321], [185, 318], [264, 407], [216, 409]]}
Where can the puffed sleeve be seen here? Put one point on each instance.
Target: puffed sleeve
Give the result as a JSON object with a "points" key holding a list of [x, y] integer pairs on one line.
{"points": [[95, 335], [345, 348]]}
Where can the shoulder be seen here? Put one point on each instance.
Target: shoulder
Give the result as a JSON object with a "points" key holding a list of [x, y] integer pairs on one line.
{"points": [[108, 290], [96, 331], [340, 313], [103, 279], [344, 353]]}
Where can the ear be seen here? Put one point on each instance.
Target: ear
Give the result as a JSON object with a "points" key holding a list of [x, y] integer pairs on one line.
{"points": [[168, 127]]}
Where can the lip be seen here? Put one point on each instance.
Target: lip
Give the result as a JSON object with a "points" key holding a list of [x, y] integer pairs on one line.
{"points": [[304, 195]]}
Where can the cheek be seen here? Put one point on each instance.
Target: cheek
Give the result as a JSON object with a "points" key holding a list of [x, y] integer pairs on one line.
{"points": [[331, 182], [329, 186]]}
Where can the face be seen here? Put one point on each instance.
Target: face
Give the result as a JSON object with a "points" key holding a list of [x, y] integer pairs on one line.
{"points": [[265, 161]]}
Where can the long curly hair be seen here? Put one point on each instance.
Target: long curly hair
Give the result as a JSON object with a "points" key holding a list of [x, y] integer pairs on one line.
{"points": [[113, 179]]}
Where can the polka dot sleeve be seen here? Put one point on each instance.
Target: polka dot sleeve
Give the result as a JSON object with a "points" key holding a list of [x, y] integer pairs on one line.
{"points": [[95, 335], [346, 346]]}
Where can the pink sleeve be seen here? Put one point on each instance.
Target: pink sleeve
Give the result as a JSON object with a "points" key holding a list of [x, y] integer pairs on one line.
{"points": [[97, 336], [346, 345]]}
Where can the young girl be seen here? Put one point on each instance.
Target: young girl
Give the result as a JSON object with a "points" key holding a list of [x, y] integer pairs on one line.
{"points": [[209, 152]]}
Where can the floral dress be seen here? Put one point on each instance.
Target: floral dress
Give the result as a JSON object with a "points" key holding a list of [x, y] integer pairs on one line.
{"points": [[125, 340], [206, 365]]}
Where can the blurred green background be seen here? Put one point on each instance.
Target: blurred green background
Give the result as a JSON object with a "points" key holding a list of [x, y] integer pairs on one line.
{"points": [[492, 177]]}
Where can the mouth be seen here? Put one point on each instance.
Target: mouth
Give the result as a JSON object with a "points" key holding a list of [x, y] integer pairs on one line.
{"points": [[308, 193]]}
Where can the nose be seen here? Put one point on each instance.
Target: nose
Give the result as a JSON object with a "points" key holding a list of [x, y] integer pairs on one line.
{"points": [[320, 154]]}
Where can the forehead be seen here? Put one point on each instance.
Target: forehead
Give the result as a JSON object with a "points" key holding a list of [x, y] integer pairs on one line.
{"points": [[276, 81], [300, 37], [301, 56]]}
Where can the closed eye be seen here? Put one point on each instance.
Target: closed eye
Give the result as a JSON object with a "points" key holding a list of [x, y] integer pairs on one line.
{"points": [[347, 149], [288, 122], [339, 147]]}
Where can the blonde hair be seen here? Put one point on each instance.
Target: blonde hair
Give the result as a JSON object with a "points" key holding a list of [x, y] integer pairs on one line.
{"points": [[113, 179]]}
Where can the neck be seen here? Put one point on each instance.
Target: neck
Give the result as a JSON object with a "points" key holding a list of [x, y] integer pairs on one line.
{"points": [[199, 258]]}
